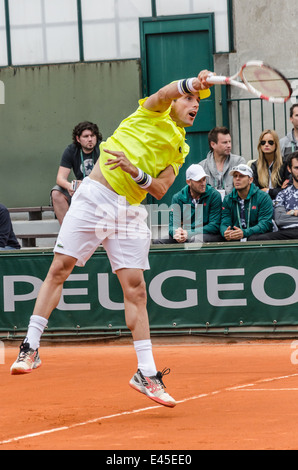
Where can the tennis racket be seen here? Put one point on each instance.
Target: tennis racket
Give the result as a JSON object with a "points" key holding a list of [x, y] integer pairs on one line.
{"points": [[259, 79]]}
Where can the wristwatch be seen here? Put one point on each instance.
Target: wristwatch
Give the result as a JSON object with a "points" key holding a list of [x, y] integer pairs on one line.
{"points": [[292, 212]]}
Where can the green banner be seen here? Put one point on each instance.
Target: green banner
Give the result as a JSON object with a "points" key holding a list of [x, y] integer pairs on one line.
{"points": [[221, 286]]}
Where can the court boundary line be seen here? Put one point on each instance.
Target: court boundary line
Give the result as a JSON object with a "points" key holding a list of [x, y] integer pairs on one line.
{"points": [[269, 390], [140, 410]]}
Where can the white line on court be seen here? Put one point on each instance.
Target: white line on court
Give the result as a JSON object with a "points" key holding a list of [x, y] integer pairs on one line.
{"points": [[269, 390], [140, 410]]}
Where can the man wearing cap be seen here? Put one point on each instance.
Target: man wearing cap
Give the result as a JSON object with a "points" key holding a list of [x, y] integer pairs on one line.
{"points": [[220, 160], [247, 211], [195, 211]]}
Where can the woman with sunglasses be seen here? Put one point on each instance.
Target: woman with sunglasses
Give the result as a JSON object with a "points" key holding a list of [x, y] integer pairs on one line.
{"points": [[270, 171]]}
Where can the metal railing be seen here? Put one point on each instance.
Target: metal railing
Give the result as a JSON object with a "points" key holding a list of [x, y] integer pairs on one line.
{"points": [[248, 117]]}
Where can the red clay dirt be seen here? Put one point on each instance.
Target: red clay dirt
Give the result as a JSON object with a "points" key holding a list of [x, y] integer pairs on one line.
{"points": [[230, 396]]}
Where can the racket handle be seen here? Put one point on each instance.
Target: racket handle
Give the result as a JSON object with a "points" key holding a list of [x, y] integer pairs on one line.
{"points": [[217, 79]]}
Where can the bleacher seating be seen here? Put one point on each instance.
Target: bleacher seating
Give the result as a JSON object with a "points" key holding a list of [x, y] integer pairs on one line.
{"points": [[35, 226]]}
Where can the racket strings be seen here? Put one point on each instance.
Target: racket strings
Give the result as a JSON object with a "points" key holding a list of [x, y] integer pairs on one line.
{"points": [[267, 81]]}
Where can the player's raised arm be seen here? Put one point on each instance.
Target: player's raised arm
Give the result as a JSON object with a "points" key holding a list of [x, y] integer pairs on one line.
{"points": [[162, 99]]}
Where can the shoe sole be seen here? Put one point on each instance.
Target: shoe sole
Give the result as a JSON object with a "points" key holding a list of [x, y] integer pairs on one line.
{"points": [[156, 399], [21, 371]]}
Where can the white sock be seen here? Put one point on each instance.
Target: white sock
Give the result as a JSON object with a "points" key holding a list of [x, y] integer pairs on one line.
{"points": [[144, 353], [36, 327]]}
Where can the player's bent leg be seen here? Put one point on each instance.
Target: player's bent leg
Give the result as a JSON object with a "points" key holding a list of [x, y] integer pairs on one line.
{"points": [[146, 380], [51, 289], [48, 298], [135, 302]]}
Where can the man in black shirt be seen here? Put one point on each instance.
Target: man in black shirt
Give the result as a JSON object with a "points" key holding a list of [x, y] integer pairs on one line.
{"points": [[8, 239], [80, 157]]}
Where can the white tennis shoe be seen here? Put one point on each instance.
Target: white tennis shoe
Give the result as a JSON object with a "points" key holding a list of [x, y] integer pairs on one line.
{"points": [[28, 360], [153, 387]]}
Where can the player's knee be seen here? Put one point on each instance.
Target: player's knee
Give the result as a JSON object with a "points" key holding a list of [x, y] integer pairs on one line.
{"points": [[135, 292], [60, 269]]}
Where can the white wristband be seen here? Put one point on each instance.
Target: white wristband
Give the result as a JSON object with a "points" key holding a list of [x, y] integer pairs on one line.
{"points": [[190, 84], [148, 183], [186, 86], [143, 179], [139, 177]]}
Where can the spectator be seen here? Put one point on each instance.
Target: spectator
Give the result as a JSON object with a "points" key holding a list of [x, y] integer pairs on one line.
{"points": [[286, 207], [195, 211], [8, 240], [289, 143], [220, 160], [247, 211], [270, 172], [80, 156]]}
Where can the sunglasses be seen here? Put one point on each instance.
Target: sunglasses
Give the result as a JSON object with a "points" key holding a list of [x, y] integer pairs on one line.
{"points": [[239, 167], [242, 168], [270, 142]]}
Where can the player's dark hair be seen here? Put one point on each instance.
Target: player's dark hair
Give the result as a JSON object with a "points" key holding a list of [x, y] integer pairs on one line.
{"points": [[213, 134], [83, 126]]}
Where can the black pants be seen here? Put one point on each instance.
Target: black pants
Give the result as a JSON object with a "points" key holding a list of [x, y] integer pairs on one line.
{"points": [[285, 234], [204, 238]]}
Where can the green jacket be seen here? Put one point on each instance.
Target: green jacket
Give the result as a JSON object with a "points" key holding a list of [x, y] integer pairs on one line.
{"points": [[258, 212], [203, 217]]}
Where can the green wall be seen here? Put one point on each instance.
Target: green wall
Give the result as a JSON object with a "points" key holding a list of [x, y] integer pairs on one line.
{"points": [[42, 105], [231, 287]]}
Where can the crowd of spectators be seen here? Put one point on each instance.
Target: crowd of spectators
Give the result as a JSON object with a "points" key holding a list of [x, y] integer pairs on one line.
{"points": [[227, 198], [224, 199]]}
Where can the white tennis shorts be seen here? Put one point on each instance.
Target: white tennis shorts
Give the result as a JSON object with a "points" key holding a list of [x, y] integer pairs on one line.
{"points": [[99, 216]]}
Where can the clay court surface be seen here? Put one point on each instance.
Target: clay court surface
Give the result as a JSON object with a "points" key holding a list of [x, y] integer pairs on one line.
{"points": [[241, 395]]}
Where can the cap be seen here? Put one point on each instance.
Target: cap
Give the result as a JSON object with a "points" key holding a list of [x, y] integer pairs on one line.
{"points": [[243, 169], [205, 93], [195, 172]]}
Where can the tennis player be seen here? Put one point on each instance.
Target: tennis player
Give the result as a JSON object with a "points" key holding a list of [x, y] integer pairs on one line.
{"points": [[142, 156]]}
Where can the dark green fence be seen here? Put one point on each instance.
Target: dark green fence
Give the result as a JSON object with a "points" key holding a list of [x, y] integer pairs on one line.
{"points": [[247, 117], [222, 288]]}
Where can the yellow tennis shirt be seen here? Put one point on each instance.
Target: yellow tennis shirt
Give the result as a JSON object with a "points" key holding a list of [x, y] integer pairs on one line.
{"points": [[151, 141]]}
